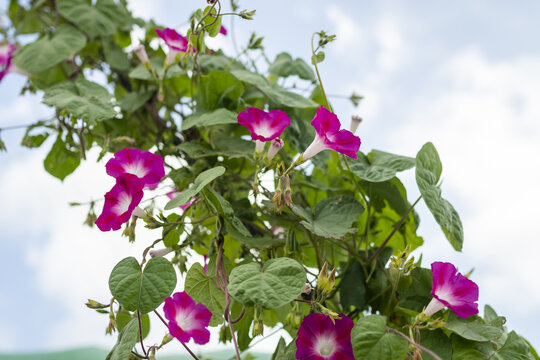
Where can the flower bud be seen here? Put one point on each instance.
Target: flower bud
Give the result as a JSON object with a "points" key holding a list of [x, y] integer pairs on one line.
{"points": [[288, 191], [112, 324], [166, 339], [92, 304], [275, 146], [355, 121], [138, 212], [258, 328], [160, 252], [307, 289], [171, 57], [140, 51]]}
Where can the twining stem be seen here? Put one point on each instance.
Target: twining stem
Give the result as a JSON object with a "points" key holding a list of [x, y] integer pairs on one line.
{"points": [[140, 333], [221, 276], [185, 346], [319, 75], [396, 228], [424, 349]]}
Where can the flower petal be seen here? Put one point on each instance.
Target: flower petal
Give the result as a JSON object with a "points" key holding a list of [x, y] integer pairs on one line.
{"points": [[262, 125], [187, 319], [173, 39], [344, 142], [143, 164], [325, 121], [120, 202]]}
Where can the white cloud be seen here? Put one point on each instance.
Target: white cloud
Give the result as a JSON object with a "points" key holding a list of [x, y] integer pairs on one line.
{"points": [[485, 127]]}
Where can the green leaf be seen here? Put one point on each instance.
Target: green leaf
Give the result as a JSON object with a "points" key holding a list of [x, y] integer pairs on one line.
{"points": [[277, 283], [142, 73], [428, 173], [285, 66], [352, 288], [127, 339], [274, 92], [213, 29], [124, 317], [94, 20], [515, 348], [217, 117], [224, 208], [135, 100], [317, 58], [143, 291], [84, 99], [116, 57], [200, 182], [436, 341], [379, 166], [417, 295], [47, 52], [332, 217], [60, 161], [473, 330], [202, 289], [218, 88], [371, 341]]}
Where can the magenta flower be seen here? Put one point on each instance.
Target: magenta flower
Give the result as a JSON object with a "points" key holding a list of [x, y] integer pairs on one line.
{"points": [[263, 126], [174, 193], [176, 43], [329, 136], [146, 166], [321, 339], [120, 202], [6, 56], [452, 290], [186, 319], [222, 30]]}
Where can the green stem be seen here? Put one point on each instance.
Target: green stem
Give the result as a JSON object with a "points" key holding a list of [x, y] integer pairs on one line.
{"points": [[396, 228], [318, 74]]}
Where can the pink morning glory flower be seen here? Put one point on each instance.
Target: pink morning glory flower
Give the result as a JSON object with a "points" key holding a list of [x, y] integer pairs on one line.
{"points": [[321, 339], [176, 43], [329, 136], [120, 202], [174, 193], [186, 319], [263, 126], [452, 290], [222, 30], [146, 166], [6, 56]]}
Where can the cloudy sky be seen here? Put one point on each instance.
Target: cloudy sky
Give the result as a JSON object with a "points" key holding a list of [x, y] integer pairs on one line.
{"points": [[461, 74]]}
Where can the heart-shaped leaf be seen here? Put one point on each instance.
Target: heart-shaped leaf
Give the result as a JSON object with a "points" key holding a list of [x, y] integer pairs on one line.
{"points": [[277, 283], [143, 291]]}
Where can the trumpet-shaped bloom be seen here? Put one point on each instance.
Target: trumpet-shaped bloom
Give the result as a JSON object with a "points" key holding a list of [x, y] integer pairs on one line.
{"points": [[186, 319], [321, 339], [6, 55], [146, 166], [174, 40], [263, 126], [329, 136], [120, 202], [452, 290]]}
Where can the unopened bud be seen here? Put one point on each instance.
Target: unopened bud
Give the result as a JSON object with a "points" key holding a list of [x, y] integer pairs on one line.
{"points": [[355, 121], [92, 304], [112, 324], [248, 15], [140, 51], [160, 252], [166, 339], [307, 289], [259, 147], [288, 191], [258, 328], [138, 212], [275, 146]]}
